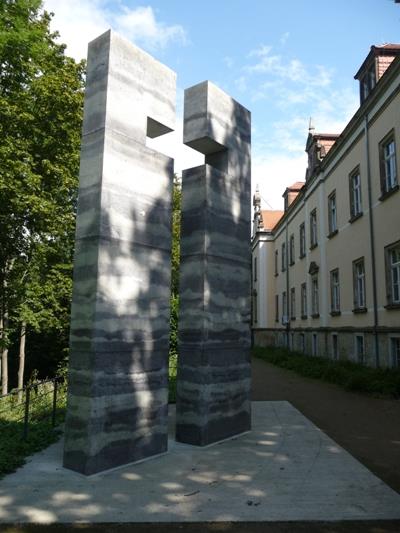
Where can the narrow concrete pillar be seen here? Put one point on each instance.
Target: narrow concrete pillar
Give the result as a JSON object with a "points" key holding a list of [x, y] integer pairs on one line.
{"points": [[213, 392], [118, 381]]}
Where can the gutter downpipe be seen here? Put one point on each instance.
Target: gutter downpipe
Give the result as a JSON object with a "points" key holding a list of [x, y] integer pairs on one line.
{"points": [[372, 243], [287, 285]]}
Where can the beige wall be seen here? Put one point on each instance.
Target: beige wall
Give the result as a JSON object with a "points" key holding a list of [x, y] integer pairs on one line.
{"points": [[350, 243]]}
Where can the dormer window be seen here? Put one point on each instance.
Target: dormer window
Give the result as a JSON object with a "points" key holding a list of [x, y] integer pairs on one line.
{"points": [[374, 67], [368, 83]]}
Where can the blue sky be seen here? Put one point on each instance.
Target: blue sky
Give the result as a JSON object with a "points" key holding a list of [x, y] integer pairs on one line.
{"points": [[285, 61]]}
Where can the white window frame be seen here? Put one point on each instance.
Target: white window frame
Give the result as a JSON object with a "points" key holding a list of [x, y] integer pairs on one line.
{"points": [[388, 162], [394, 351], [359, 342], [291, 250], [313, 228], [332, 213], [392, 256], [302, 236], [303, 292], [293, 303], [314, 295], [335, 291], [359, 283], [355, 192], [335, 346], [314, 344]]}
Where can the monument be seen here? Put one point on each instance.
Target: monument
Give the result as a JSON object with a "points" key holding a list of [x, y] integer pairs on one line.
{"points": [[118, 378], [213, 385]]}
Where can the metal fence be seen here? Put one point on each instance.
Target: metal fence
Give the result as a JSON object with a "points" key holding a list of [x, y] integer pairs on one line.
{"points": [[38, 402]]}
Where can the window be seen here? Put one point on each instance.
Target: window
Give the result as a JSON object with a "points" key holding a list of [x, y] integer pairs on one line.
{"points": [[355, 195], [392, 256], [255, 269], [276, 262], [387, 156], [292, 345], [395, 351], [359, 348], [359, 285], [335, 351], [284, 308], [332, 214], [314, 296], [255, 303], [314, 344], [303, 300], [302, 240], [302, 342], [283, 258], [293, 303], [367, 83], [335, 292], [313, 229], [291, 250], [276, 308]]}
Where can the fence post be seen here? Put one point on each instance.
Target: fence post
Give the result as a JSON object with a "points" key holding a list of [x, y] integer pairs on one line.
{"points": [[26, 417], [53, 418]]}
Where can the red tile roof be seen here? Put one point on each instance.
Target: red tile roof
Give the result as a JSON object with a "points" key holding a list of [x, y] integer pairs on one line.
{"points": [[270, 218]]}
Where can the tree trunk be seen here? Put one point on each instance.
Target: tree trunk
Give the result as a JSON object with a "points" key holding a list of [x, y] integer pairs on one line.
{"points": [[4, 370], [21, 368], [3, 338]]}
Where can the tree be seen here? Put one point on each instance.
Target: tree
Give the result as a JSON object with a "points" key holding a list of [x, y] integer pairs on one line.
{"points": [[175, 261], [41, 101]]}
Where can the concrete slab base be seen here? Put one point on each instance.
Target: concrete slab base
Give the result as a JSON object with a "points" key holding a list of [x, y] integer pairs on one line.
{"points": [[285, 469]]}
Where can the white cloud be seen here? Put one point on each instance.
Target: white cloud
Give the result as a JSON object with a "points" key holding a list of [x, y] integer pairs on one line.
{"points": [[80, 21], [292, 70], [273, 173]]}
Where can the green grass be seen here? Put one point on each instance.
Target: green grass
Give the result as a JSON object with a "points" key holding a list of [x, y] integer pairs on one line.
{"points": [[173, 361], [13, 447], [349, 375]]}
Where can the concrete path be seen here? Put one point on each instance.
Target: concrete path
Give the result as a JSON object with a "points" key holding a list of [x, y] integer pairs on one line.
{"points": [[285, 469]]}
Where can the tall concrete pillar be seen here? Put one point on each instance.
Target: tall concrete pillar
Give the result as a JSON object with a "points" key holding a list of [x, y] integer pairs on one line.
{"points": [[118, 382], [213, 391]]}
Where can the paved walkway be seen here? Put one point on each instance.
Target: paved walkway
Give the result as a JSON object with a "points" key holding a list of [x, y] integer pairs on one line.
{"points": [[368, 428], [285, 469]]}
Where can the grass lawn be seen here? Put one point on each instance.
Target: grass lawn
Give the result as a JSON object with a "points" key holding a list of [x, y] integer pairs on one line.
{"points": [[13, 447], [351, 376]]}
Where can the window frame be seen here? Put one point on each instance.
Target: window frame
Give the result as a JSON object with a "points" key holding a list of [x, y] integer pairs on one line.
{"points": [[394, 357], [332, 214], [393, 300], [291, 250], [359, 355], [360, 303], [283, 258], [314, 296], [389, 182], [293, 303], [302, 237], [335, 292], [313, 229], [355, 206], [303, 300]]}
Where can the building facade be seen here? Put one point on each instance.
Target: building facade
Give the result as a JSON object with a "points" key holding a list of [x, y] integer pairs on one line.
{"points": [[326, 270]]}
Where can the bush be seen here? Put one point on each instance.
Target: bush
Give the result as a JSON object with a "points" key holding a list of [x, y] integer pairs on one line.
{"points": [[349, 375]]}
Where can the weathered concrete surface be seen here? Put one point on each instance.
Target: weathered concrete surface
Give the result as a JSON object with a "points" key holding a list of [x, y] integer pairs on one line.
{"points": [[117, 405], [285, 469], [213, 385]]}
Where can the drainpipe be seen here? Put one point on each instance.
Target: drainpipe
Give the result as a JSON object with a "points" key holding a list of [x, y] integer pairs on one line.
{"points": [[287, 285], [372, 242]]}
